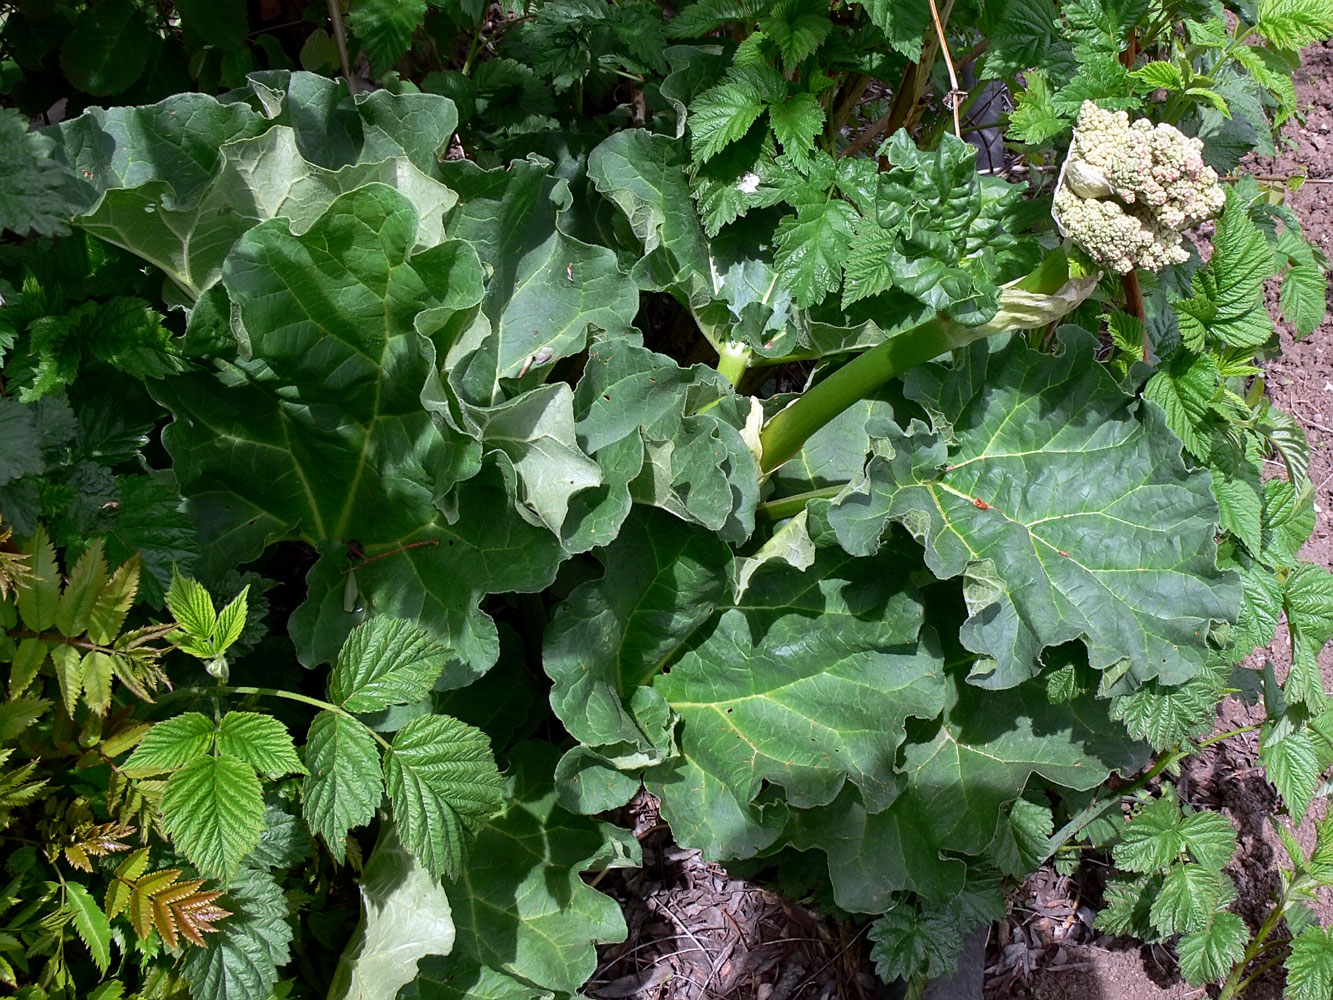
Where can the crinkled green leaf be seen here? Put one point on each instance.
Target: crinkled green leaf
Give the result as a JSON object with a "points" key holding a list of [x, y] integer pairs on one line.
{"points": [[796, 122], [1288, 520], [442, 781], [1210, 838], [610, 637], [1185, 390], [1292, 765], [405, 916], [1308, 602], [958, 777], [812, 247], [344, 785], [721, 115], [1189, 897], [1153, 838], [385, 28], [385, 661], [1124, 560], [529, 916], [1294, 24], [214, 811], [1166, 714], [904, 23], [767, 697], [797, 27]]}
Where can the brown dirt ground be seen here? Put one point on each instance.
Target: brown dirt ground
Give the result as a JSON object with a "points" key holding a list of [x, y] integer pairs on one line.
{"points": [[698, 932]]}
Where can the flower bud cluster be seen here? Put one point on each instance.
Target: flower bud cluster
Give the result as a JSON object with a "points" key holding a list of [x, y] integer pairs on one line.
{"points": [[1127, 190]]}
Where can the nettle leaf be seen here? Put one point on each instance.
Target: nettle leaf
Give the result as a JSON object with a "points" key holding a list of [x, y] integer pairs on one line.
{"points": [[796, 122], [1207, 955], [812, 247], [442, 781], [611, 636], [241, 961], [1294, 24], [36, 196], [958, 776], [1189, 897], [531, 920], [171, 744], [797, 27], [213, 810], [1310, 965], [1125, 563], [261, 741], [1308, 602], [344, 785], [405, 916], [767, 698], [385, 661]]}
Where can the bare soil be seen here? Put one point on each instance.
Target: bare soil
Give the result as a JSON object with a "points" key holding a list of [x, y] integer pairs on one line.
{"points": [[698, 932]]}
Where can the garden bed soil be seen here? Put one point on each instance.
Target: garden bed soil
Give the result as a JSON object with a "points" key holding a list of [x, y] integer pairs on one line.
{"points": [[698, 932]]}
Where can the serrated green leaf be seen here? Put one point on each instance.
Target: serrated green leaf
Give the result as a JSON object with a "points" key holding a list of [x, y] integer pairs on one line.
{"points": [[1164, 715], [1127, 904], [1292, 766], [1024, 34], [796, 122], [442, 781], [385, 661], [1294, 24], [531, 917], [1288, 520], [114, 601], [39, 597], [68, 662], [344, 785], [1188, 900], [28, 659], [405, 916], [231, 620], [1185, 390], [1035, 118], [1153, 838], [1160, 74], [241, 961], [1208, 954], [36, 196], [1024, 842], [1308, 602], [192, 607], [1310, 965], [1304, 297], [1239, 507], [385, 28], [214, 812], [1044, 564], [1234, 280], [907, 943], [720, 116], [904, 23], [96, 669], [812, 247], [261, 741], [797, 27], [1210, 839], [171, 744], [17, 714], [91, 923], [79, 597]]}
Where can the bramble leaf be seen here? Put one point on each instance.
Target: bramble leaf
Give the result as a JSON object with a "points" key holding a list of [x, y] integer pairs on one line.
{"points": [[241, 961], [1208, 954], [344, 785], [261, 741], [1307, 600], [214, 811], [442, 781], [1190, 895], [171, 744], [385, 661], [35, 197], [1310, 965]]}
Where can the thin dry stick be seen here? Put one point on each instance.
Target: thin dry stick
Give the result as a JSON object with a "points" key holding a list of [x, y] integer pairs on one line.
{"points": [[954, 95], [340, 37]]}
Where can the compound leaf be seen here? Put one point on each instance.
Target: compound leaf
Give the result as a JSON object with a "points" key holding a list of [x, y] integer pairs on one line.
{"points": [[1310, 965], [241, 961]]}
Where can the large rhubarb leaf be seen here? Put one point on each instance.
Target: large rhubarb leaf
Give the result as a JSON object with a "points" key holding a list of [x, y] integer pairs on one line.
{"points": [[521, 911], [180, 181], [320, 432], [610, 637], [959, 772], [805, 684], [1070, 516]]}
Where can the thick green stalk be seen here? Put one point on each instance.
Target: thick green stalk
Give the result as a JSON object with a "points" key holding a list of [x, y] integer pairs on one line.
{"points": [[1043, 297], [789, 429], [733, 360]]}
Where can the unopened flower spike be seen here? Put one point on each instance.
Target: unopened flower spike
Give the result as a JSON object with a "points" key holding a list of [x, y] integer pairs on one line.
{"points": [[1128, 190]]}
